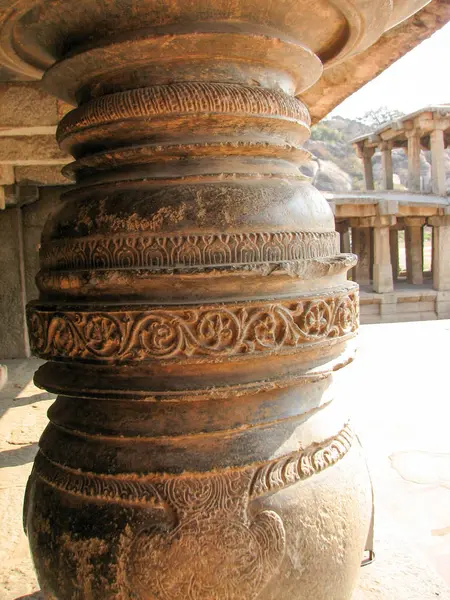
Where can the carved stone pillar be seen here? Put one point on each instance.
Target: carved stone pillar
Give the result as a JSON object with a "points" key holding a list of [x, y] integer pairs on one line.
{"points": [[414, 249], [194, 306]]}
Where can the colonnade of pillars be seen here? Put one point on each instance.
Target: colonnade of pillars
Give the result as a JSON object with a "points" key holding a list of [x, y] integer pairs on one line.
{"points": [[437, 147], [375, 241]]}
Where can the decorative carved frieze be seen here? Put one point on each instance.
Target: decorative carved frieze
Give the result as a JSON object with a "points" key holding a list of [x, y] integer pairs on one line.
{"points": [[196, 493], [217, 330], [147, 251]]}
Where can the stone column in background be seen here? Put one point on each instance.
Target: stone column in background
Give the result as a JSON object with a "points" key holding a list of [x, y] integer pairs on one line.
{"points": [[343, 229], [413, 160], [441, 252], [393, 244], [441, 264], [382, 268], [386, 164], [414, 249], [361, 247], [438, 178], [366, 154]]}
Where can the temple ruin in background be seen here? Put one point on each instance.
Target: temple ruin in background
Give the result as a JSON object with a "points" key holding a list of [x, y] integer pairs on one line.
{"points": [[381, 225]]}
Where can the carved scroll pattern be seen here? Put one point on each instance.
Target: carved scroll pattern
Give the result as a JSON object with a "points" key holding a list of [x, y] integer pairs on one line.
{"points": [[217, 330], [159, 252], [201, 510]]}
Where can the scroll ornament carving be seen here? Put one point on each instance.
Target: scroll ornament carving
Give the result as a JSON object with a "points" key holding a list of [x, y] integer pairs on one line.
{"points": [[216, 330], [200, 510], [160, 252]]}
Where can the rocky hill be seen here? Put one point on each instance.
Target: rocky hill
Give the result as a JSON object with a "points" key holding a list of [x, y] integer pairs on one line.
{"points": [[334, 166]]}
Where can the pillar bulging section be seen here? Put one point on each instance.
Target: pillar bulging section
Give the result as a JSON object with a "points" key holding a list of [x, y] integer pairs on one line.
{"points": [[382, 268]]}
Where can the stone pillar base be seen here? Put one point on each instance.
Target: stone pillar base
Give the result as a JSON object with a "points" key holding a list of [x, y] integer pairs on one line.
{"points": [[382, 278]]}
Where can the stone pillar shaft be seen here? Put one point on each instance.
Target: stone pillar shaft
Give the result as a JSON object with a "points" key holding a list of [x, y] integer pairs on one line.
{"points": [[438, 178], [413, 161], [441, 252], [382, 268], [361, 247], [387, 168], [367, 155], [393, 243], [344, 237], [414, 249]]}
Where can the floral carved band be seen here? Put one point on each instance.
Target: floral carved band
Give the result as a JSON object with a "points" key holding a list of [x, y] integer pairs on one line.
{"points": [[221, 330]]}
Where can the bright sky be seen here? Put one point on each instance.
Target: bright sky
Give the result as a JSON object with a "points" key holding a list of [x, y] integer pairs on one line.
{"points": [[420, 78]]}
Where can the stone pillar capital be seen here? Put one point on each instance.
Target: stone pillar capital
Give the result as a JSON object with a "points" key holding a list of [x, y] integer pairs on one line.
{"points": [[413, 133], [414, 221], [363, 151], [384, 146], [439, 221]]}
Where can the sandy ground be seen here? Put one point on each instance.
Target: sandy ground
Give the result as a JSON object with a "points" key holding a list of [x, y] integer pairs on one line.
{"points": [[399, 391]]}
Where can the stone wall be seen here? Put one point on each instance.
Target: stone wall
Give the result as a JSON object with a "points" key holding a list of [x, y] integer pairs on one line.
{"points": [[20, 232]]}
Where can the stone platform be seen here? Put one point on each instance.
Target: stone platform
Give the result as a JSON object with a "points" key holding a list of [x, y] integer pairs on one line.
{"points": [[402, 374], [408, 302]]}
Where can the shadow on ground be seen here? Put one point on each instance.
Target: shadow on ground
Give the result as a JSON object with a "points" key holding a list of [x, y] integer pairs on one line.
{"points": [[18, 456]]}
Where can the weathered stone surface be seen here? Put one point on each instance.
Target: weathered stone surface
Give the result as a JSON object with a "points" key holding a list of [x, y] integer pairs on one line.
{"points": [[42, 175], [26, 105], [30, 150], [13, 342], [34, 217]]}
